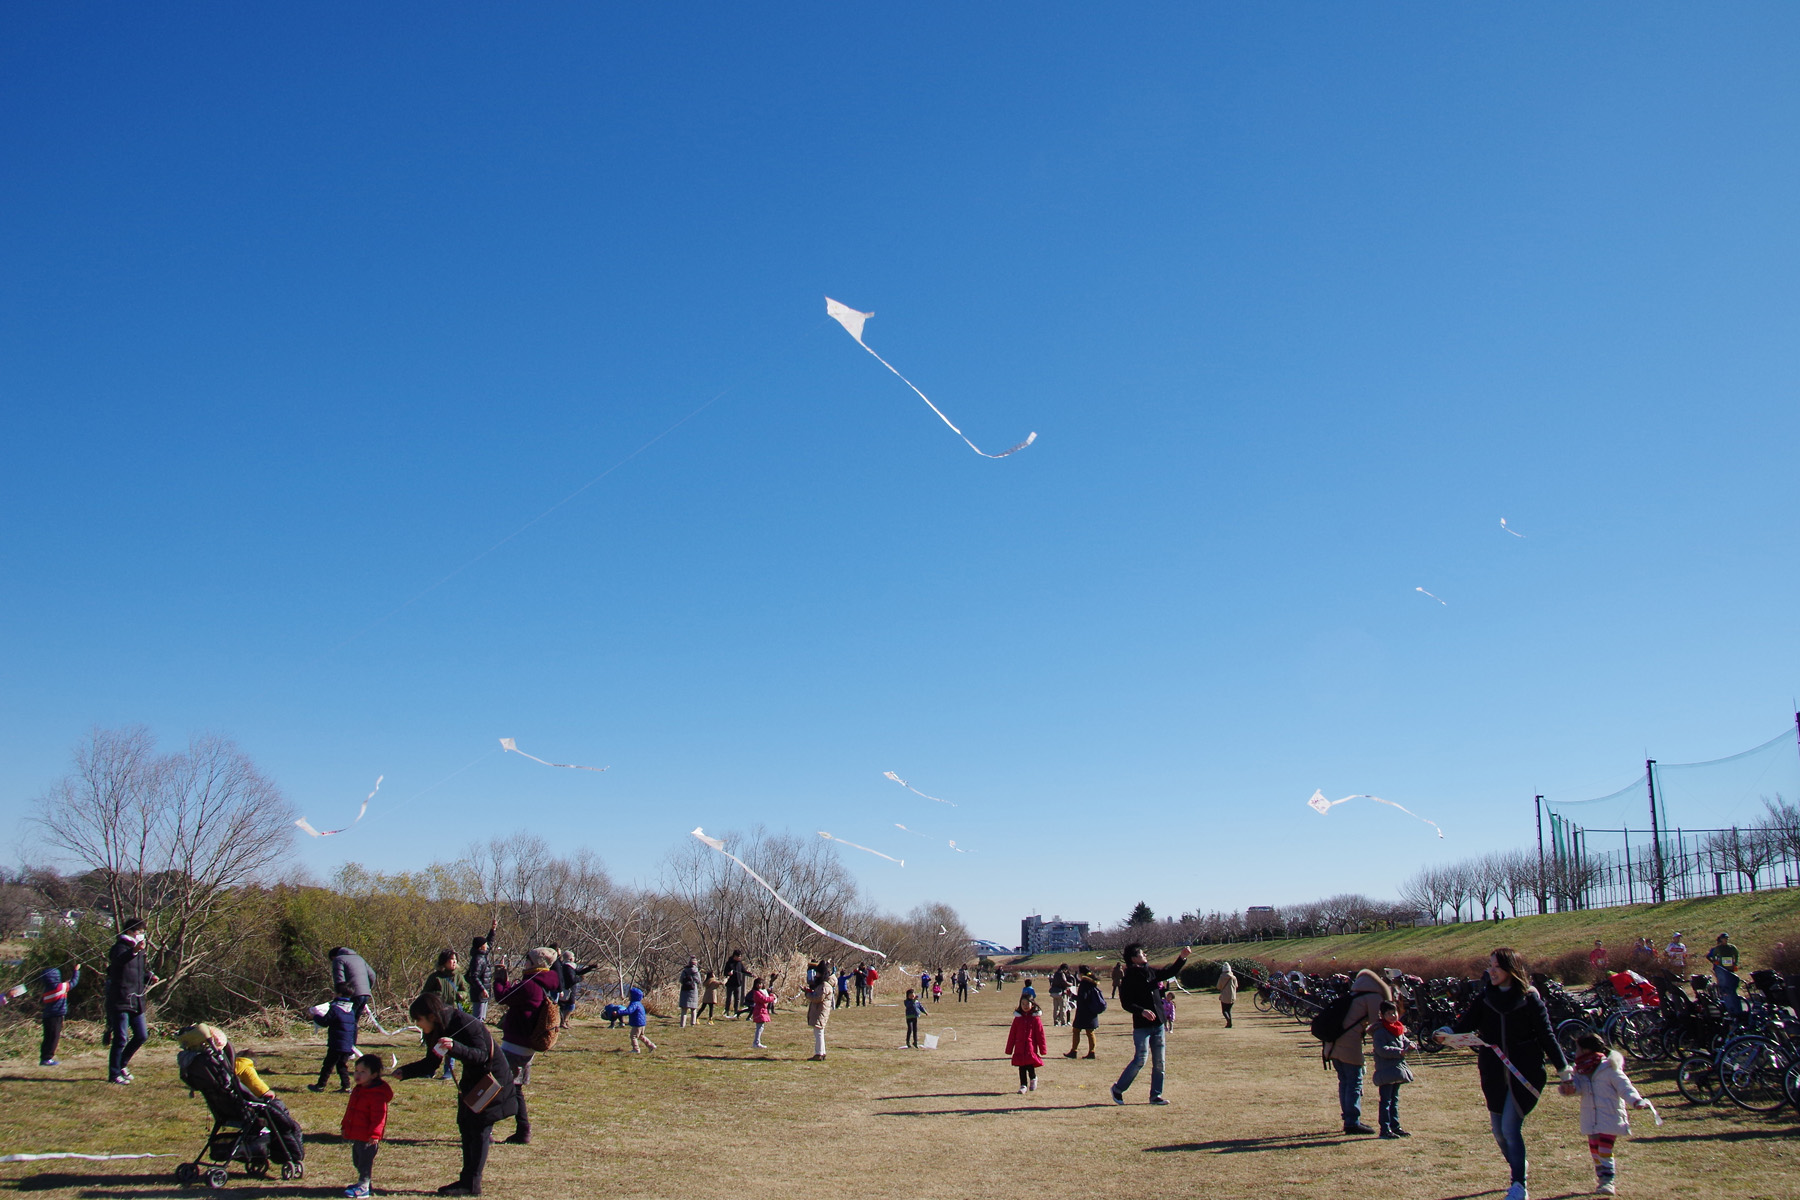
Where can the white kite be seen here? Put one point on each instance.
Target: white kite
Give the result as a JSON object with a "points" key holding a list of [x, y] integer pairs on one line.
{"points": [[929, 838], [507, 744], [915, 791], [811, 924], [1321, 805], [878, 854], [311, 832], [1420, 589], [1509, 528], [852, 321]]}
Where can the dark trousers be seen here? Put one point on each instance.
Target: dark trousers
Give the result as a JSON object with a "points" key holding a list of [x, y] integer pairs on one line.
{"points": [[1026, 1075], [1226, 1009], [962, 992], [706, 1008], [128, 1033], [53, 1023], [1388, 1105], [358, 1004], [912, 1031], [362, 1157], [477, 1135], [336, 1060], [862, 992], [521, 1073], [734, 998]]}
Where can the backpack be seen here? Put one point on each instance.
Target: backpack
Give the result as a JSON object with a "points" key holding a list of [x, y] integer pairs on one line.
{"points": [[547, 1025], [1328, 1022]]}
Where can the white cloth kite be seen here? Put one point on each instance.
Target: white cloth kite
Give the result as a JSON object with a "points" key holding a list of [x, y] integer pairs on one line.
{"points": [[1321, 805], [852, 321], [307, 826], [929, 838], [915, 791], [811, 924], [14, 1158], [1443, 602], [1509, 528], [507, 744], [878, 854]]}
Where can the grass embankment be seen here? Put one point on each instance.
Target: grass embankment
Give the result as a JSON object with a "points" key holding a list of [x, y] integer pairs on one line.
{"points": [[1252, 1118], [1756, 922]]}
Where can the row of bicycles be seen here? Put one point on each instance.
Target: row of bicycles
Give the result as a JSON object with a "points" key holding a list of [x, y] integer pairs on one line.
{"points": [[1746, 1054]]}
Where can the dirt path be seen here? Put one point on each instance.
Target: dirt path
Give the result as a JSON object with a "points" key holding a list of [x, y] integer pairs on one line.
{"points": [[1252, 1115]]}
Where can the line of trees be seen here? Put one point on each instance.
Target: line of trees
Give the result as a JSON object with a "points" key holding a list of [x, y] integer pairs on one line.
{"points": [[196, 844]]}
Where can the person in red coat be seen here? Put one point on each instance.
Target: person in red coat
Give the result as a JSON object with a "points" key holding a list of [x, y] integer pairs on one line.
{"points": [[1025, 1042], [365, 1120]]}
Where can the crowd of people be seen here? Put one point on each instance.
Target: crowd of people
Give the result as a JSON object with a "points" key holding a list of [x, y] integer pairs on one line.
{"points": [[1506, 1022]]}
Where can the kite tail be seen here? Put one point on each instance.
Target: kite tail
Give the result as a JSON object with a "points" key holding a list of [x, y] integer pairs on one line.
{"points": [[940, 412]]}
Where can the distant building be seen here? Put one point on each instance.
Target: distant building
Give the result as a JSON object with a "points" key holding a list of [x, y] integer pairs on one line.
{"points": [[1055, 936]]}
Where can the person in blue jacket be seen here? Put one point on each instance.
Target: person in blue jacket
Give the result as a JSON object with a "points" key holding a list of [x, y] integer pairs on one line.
{"points": [[637, 1017], [339, 1020], [55, 1001]]}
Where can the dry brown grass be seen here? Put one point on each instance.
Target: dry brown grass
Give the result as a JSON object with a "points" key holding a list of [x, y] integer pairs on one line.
{"points": [[1252, 1116]]}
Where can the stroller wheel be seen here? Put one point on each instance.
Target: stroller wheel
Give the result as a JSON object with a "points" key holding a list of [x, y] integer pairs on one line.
{"points": [[186, 1174], [287, 1170], [215, 1178]]}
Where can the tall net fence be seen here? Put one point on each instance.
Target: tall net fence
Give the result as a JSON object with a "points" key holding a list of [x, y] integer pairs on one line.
{"points": [[1680, 830]]}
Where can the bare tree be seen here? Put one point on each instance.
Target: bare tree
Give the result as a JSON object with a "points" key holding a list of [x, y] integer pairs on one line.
{"points": [[175, 839], [1741, 852]]}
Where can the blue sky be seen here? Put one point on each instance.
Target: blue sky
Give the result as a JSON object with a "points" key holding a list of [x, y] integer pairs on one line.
{"points": [[304, 309]]}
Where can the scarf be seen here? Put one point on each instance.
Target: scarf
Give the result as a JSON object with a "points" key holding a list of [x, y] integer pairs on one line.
{"points": [[1587, 1061], [1395, 1028]]}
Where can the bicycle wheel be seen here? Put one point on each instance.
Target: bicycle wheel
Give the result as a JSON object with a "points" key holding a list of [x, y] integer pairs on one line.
{"points": [[1752, 1071], [1791, 1085], [1696, 1079], [1639, 1034], [1568, 1031], [1262, 1002]]}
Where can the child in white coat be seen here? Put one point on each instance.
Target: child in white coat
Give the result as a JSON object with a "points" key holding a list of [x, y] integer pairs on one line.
{"points": [[1605, 1093]]}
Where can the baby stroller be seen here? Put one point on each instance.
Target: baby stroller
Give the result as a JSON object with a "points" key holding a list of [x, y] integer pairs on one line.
{"points": [[245, 1128]]}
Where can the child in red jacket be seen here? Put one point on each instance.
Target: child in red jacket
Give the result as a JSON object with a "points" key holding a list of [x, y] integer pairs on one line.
{"points": [[365, 1120], [1025, 1042]]}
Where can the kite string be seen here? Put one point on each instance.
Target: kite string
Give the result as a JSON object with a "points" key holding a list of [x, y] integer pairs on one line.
{"points": [[783, 900]]}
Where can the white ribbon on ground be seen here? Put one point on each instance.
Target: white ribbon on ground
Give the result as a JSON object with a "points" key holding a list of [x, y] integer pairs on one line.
{"points": [[13, 1158], [1321, 805], [878, 854], [811, 924], [360, 813], [508, 744], [852, 321]]}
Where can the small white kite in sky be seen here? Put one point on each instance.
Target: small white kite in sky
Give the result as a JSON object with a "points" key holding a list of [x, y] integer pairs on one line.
{"points": [[1321, 805], [311, 832], [878, 854], [507, 744], [915, 791], [852, 321], [1420, 589], [1509, 528], [811, 924]]}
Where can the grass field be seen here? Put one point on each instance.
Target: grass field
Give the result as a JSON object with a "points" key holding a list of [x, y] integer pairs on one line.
{"points": [[1252, 1116], [1755, 921]]}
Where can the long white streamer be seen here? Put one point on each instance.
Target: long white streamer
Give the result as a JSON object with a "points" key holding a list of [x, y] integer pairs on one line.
{"points": [[852, 321], [878, 854], [1509, 528], [1321, 805], [1445, 603], [915, 791], [811, 924], [360, 813], [13, 1158], [929, 838], [507, 744]]}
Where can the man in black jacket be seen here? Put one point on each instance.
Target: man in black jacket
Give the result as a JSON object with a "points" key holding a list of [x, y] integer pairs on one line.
{"points": [[1140, 991], [128, 977], [735, 974]]}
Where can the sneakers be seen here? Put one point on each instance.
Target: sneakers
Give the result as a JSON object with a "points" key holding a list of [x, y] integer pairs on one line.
{"points": [[49, 1062], [1399, 1132], [459, 1188], [1033, 1085], [120, 1079], [1071, 1054], [1517, 1192], [1606, 1189], [1021, 1089], [1117, 1098], [1359, 1127], [358, 1191], [315, 1087], [1158, 1100], [1388, 1135], [519, 1138]]}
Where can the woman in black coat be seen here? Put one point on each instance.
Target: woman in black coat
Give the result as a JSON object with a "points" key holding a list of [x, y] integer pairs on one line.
{"points": [[1508, 1013], [447, 1031]]}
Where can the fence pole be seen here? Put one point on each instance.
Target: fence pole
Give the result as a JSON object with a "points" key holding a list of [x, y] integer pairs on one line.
{"points": [[1655, 836], [1541, 898]]}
